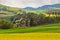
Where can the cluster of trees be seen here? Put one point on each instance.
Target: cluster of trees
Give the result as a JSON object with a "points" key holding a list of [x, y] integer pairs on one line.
{"points": [[28, 19], [23, 19], [4, 24], [32, 19]]}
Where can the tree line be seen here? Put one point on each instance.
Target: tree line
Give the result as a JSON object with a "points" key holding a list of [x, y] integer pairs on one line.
{"points": [[32, 19], [29, 19]]}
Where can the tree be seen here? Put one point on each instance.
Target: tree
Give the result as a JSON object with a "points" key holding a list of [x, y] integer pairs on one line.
{"points": [[6, 24]]}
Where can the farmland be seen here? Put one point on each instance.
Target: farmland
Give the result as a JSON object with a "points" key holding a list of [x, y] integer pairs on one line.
{"points": [[43, 32], [31, 36]]}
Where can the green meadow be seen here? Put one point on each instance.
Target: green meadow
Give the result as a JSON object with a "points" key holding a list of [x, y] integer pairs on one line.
{"points": [[50, 28]]}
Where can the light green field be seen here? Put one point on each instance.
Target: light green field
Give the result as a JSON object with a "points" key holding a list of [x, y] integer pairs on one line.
{"points": [[37, 11], [50, 28]]}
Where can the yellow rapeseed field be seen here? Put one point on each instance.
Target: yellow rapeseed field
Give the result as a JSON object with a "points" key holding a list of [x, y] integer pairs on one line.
{"points": [[30, 36]]}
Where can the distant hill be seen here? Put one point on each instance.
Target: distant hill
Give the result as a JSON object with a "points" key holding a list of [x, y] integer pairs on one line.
{"points": [[29, 8], [44, 7]]}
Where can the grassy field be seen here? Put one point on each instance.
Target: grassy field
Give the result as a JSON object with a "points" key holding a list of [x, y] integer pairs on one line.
{"points": [[37, 11], [31, 36], [48, 28]]}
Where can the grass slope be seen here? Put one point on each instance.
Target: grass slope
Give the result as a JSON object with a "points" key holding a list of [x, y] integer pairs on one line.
{"points": [[9, 11], [50, 28]]}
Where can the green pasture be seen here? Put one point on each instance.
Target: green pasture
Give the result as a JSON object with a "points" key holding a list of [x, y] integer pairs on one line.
{"points": [[48, 28]]}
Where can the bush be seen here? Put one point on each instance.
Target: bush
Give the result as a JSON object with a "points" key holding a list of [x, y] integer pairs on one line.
{"points": [[6, 24]]}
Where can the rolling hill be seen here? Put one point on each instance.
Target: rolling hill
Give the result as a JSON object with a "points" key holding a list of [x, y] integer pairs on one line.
{"points": [[9, 10]]}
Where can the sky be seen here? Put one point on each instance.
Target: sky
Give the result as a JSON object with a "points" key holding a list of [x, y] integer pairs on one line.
{"points": [[28, 3]]}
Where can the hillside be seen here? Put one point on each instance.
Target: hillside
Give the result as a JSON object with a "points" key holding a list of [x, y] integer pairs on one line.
{"points": [[9, 10]]}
